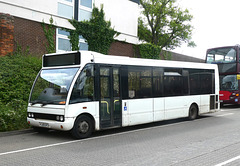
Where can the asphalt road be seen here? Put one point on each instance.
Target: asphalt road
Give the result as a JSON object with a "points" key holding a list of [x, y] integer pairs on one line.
{"points": [[213, 139]]}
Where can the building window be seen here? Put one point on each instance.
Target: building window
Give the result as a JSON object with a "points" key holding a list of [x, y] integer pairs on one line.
{"points": [[63, 42], [62, 32], [86, 3], [83, 46], [83, 11], [65, 10], [84, 15]]}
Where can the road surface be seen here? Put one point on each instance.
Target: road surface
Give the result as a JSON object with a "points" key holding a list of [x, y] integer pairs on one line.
{"points": [[211, 140]]}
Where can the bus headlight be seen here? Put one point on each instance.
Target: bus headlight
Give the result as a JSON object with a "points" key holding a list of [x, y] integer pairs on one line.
{"points": [[60, 118], [30, 115]]}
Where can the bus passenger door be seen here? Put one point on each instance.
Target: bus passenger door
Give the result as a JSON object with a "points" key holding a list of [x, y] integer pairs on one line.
{"points": [[110, 100]]}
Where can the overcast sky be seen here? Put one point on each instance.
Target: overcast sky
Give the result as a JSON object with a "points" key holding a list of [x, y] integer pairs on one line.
{"points": [[216, 23]]}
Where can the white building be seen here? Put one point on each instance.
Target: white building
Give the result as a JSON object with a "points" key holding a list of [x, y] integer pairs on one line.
{"points": [[28, 15]]}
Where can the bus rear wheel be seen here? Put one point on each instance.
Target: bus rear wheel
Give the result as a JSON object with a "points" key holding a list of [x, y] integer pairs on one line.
{"points": [[83, 127], [193, 112]]}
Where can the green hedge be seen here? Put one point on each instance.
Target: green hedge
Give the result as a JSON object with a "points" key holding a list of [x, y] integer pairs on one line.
{"points": [[17, 74], [149, 51]]}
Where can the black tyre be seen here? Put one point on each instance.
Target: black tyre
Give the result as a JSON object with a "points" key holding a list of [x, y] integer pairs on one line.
{"points": [[83, 127], [221, 105], [193, 112]]}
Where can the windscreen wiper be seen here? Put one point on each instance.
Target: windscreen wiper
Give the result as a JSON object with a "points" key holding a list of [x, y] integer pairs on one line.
{"points": [[46, 103], [41, 102], [35, 102]]}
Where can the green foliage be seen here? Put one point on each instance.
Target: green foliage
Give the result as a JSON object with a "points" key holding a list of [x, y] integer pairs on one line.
{"points": [[167, 55], [49, 31], [74, 39], [97, 32], [13, 115], [17, 75], [149, 51], [164, 24]]}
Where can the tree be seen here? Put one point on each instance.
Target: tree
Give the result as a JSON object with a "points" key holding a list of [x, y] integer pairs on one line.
{"points": [[97, 32], [164, 24]]}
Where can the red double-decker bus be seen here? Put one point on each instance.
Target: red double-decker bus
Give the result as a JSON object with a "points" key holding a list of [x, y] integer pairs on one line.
{"points": [[227, 59]]}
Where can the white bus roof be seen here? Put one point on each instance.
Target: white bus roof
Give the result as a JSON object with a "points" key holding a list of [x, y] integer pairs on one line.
{"points": [[94, 57]]}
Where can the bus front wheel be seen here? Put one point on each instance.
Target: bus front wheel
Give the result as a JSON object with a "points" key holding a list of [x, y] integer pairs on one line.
{"points": [[193, 112], [83, 127]]}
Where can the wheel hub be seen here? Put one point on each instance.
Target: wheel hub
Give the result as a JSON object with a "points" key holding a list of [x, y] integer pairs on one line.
{"points": [[83, 127]]}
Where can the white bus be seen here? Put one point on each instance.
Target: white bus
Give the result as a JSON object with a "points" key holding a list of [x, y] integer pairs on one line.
{"points": [[85, 91]]}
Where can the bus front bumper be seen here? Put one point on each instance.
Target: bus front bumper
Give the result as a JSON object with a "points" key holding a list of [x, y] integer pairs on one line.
{"points": [[43, 123]]}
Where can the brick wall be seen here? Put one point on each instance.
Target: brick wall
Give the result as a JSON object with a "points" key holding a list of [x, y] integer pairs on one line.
{"points": [[29, 34], [121, 49], [6, 34]]}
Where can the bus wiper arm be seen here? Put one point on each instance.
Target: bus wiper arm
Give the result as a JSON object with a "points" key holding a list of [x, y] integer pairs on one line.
{"points": [[46, 103], [36, 102], [42, 102]]}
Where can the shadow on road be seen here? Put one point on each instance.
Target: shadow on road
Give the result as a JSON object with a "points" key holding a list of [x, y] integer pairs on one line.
{"points": [[230, 106], [66, 136]]}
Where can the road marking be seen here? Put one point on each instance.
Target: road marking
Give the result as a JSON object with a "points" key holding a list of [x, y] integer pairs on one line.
{"points": [[225, 114], [38, 147], [104, 136], [225, 110], [91, 138], [228, 161]]}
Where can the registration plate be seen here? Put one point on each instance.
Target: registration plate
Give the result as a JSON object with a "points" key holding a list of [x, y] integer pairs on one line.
{"points": [[43, 124]]}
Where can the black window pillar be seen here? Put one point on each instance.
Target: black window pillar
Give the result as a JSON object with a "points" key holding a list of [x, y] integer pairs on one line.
{"points": [[76, 9]]}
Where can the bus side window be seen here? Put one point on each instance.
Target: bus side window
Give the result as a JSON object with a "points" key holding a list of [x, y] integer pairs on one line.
{"points": [[139, 82], [158, 82], [201, 81], [173, 82], [83, 90]]}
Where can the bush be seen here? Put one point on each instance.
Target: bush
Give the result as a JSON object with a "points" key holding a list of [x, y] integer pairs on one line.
{"points": [[13, 115], [149, 51], [17, 74]]}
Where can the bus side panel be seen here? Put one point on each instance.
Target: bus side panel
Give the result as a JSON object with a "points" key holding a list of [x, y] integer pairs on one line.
{"points": [[204, 106], [92, 108], [176, 107], [140, 111], [125, 113], [159, 106]]}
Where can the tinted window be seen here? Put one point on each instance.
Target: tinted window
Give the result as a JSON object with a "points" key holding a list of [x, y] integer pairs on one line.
{"points": [[83, 89], [201, 82], [158, 82], [145, 82], [139, 82], [173, 82]]}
